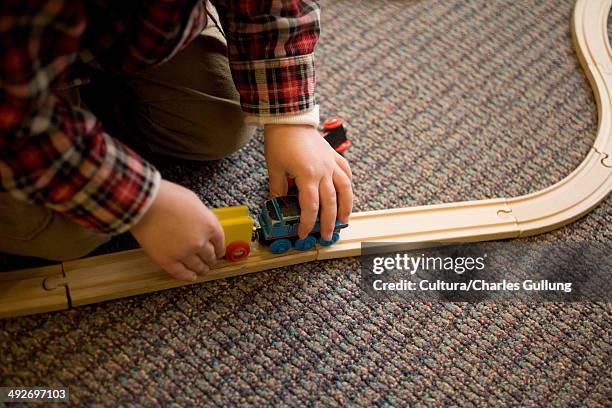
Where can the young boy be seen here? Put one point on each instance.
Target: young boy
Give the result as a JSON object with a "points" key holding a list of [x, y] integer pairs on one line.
{"points": [[156, 75]]}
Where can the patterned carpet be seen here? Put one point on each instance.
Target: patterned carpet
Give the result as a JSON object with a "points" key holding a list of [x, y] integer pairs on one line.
{"points": [[446, 101]]}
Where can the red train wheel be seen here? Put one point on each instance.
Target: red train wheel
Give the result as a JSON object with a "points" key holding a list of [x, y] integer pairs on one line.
{"points": [[345, 145], [237, 251], [332, 123]]}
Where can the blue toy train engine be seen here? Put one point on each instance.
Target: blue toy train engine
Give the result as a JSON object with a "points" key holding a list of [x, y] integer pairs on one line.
{"points": [[278, 224]]}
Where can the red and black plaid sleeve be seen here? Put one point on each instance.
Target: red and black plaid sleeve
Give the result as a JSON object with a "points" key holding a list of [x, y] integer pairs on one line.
{"points": [[271, 49], [125, 37], [50, 152]]}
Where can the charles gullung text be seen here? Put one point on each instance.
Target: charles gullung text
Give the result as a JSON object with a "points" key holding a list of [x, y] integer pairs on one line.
{"points": [[412, 264], [473, 285]]}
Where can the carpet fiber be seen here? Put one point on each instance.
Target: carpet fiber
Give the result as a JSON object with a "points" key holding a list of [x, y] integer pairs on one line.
{"points": [[446, 101]]}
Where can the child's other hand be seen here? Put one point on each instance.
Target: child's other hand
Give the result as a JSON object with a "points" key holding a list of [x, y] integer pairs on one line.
{"points": [[180, 233], [321, 175]]}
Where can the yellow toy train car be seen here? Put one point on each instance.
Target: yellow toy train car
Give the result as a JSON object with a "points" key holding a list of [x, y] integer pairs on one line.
{"points": [[238, 228]]}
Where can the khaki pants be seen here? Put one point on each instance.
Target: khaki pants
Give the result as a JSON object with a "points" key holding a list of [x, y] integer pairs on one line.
{"points": [[186, 108]]}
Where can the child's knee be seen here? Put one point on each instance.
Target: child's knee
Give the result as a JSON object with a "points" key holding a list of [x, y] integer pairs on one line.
{"points": [[187, 107], [197, 129], [224, 137]]}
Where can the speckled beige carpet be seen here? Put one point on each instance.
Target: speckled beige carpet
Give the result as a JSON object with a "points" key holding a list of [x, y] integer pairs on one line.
{"points": [[447, 101]]}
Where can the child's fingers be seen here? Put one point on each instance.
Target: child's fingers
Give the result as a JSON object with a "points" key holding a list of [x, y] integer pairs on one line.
{"points": [[344, 165], [217, 239], [179, 271], [207, 255], [195, 264], [329, 208], [308, 196], [278, 183], [344, 190]]}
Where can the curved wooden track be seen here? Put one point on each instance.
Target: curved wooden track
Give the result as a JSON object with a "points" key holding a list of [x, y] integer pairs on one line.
{"points": [[130, 273]]}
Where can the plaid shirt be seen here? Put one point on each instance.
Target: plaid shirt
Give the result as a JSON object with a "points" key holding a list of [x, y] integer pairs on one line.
{"points": [[58, 155]]}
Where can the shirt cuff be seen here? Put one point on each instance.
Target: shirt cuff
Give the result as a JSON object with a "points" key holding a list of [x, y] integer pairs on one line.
{"points": [[310, 117], [113, 188], [274, 87]]}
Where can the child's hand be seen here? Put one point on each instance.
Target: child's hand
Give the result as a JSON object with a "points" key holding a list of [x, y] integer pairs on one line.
{"points": [[180, 233], [320, 174]]}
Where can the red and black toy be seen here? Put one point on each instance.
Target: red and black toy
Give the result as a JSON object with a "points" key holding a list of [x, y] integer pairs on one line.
{"points": [[334, 132]]}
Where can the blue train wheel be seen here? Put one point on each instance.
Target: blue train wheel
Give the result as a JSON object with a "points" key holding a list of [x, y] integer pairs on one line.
{"points": [[335, 238], [280, 246], [306, 243]]}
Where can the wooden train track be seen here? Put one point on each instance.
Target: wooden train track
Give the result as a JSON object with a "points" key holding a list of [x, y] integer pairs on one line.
{"points": [[130, 273]]}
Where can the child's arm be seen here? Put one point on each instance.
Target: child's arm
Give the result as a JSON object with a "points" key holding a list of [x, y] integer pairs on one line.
{"points": [[271, 49], [58, 155], [52, 153]]}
